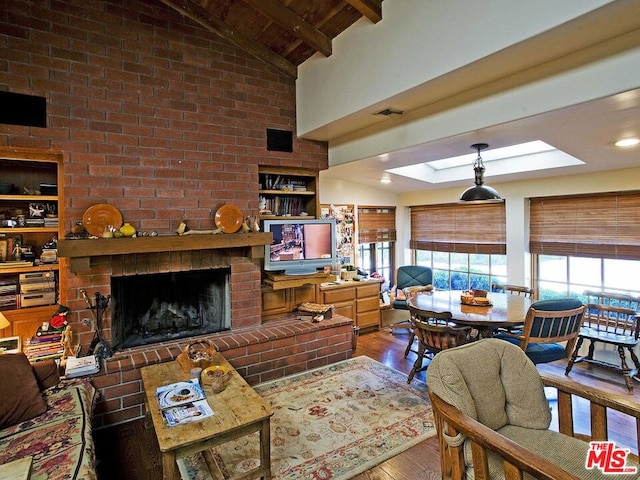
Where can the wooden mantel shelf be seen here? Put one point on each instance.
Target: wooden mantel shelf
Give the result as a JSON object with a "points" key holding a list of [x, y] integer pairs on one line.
{"points": [[81, 251]]}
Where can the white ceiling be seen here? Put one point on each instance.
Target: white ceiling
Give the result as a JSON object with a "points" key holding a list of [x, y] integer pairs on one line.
{"points": [[586, 131]]}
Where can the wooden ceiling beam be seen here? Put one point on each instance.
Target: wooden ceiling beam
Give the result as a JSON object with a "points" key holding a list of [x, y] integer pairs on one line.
{"points": [[294, 23], [195, 12], [372, 9]]}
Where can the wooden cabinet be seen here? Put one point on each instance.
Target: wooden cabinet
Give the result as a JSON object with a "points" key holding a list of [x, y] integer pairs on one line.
{"points": [[31, 211], [290, 192], [276, 303], [357, 300]]}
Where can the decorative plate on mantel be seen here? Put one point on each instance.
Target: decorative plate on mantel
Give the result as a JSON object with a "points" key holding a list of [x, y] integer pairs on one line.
{"points": [[98, 216], [229, 218]]}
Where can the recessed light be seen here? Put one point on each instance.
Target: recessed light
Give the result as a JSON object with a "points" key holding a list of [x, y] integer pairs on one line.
{"points": [[627, 142], [385, 180]]}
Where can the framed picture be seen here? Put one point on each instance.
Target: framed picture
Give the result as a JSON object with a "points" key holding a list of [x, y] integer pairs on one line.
{"points": [[10, 345]]}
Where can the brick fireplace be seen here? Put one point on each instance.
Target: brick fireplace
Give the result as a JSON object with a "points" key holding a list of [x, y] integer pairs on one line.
{"points": [[258, 351]]}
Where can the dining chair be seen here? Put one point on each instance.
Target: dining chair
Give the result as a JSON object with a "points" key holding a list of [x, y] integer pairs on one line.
{"points": [[513, 289], [547, 326], [409, 276], [610, 322], [435, 333]]}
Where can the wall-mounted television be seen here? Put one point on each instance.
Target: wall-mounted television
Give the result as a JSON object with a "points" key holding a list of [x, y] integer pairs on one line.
{"points": [[300, 246]]}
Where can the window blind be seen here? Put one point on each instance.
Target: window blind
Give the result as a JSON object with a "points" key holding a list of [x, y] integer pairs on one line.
{"points": [[376, 224], [604, 225], [477, 228]]}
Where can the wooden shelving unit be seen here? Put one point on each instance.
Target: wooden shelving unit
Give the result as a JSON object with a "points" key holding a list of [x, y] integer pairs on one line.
{"points": [[288, 192]]}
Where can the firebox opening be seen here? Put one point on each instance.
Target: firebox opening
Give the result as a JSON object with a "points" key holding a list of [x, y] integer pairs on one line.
{"points": [[148, 309]]}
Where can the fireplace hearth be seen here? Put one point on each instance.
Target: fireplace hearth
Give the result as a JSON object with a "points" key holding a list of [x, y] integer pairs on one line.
{"points": [[148, 309]]}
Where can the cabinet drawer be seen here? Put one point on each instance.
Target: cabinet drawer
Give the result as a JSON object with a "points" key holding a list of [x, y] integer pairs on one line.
{"points": [[339, 295], [345, 309], [368, 319], [370, 290], [368, 304]]}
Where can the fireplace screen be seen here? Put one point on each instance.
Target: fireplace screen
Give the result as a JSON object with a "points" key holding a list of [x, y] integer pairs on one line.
{"points": [[148, 309]]}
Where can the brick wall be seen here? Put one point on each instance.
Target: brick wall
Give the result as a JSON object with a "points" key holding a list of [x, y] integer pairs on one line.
{"points": [[161, 119]]}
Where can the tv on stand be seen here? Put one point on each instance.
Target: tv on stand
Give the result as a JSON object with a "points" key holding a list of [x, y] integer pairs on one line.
{"points": [[300, 246]]}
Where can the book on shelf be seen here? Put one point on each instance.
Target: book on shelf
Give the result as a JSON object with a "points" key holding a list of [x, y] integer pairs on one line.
{"points": [[183, 402], [79, 366]]}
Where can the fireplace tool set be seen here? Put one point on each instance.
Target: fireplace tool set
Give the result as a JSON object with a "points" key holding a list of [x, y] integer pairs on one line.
{"points": [[99, 347]]}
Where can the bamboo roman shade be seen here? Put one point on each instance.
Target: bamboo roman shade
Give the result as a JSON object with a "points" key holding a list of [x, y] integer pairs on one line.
{"points": [[604, 225], [376, 224], [478, 228]]}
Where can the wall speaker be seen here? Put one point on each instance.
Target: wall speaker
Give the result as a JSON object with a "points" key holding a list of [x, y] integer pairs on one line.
{"points": [[279, 140], [20, 109]]}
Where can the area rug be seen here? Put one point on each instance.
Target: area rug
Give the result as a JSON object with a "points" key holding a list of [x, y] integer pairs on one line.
{"points": [[332, 423]]}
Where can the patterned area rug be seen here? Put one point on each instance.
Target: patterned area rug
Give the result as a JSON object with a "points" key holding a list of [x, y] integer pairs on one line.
{"points": [[330, 423]]}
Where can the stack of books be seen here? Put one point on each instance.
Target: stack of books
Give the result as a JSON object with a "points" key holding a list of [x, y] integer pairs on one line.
{"points": [[79, 366], [44, 347]]}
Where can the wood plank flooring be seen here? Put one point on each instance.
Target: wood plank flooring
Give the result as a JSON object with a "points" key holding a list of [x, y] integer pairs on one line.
{"points": [[130, 451]]}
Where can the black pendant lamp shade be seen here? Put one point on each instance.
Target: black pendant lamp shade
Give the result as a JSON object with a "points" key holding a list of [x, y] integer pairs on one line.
{"points": [[480, 192]]}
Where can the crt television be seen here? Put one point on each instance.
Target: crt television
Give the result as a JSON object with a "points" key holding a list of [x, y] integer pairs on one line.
{"points": [[300, 246]]}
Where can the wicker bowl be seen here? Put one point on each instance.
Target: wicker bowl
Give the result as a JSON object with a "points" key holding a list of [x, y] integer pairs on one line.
{"points": [[200, 354]]}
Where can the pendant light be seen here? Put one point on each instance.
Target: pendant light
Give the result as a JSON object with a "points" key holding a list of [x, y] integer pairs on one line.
{"points": [[480, 193]]}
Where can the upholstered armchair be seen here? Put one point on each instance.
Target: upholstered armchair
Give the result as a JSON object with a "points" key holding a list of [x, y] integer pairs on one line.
{"points": [[493, 419]]}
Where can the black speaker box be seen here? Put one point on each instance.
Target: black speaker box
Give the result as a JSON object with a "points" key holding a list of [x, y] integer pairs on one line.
{"points": [[20, 109], [279, 140]]}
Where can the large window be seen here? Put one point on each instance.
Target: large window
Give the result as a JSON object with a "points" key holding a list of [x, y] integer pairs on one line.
{"points": [[560, 275], [465, 245], [582, 242], [463, 271]]}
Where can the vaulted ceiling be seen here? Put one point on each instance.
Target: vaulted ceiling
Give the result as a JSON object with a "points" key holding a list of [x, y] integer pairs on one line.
{"points": [[283, 33]]}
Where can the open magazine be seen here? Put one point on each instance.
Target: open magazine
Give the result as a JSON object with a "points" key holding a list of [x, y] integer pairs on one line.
{"points": [[183, 402]]}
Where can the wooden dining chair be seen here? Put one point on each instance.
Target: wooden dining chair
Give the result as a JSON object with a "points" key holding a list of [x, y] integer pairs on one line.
{"points": [[550, 330], [435, 333], [615, 321], [513, 289]]}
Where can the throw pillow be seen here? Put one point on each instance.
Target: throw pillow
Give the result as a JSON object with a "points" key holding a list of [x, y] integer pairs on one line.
{"points": [[19, 391], [46, 374]]}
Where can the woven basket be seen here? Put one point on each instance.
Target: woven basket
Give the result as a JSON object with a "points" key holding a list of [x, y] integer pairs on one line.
{"points": [[201, 354], [347, 275]]}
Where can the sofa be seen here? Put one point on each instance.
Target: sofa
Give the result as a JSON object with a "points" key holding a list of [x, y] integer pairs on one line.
{"points": [[47, 419]]}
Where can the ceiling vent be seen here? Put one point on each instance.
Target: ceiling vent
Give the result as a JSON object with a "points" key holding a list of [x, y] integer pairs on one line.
{"points": [[389, 112]]}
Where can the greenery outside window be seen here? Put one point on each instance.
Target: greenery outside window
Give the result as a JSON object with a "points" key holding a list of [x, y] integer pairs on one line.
{"points": [[377, 257], [463, 271]]}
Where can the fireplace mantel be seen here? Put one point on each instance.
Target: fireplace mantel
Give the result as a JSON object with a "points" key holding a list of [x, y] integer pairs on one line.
{"points": [[81, 251]]}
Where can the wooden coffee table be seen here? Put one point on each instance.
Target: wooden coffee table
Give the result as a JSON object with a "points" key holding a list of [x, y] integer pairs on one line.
{"points": [[239, 411]]}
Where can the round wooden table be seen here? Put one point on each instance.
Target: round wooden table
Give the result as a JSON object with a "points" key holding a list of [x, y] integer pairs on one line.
{"points": [[506, 310]]}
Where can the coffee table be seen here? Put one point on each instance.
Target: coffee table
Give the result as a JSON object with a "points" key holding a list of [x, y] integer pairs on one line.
{"points": [[238, 411]]}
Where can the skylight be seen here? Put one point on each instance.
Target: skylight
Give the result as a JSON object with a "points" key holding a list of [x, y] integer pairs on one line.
{"points": [[524, 157]]}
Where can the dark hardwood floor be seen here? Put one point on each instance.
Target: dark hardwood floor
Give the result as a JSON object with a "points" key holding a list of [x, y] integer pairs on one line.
{"points": [[130, 451]]}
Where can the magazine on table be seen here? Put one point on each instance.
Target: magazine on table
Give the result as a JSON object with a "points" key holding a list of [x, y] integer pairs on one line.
{"points": [[183, 402]]}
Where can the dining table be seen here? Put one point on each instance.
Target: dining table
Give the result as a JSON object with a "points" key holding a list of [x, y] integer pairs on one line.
{"points": [[505, 310]]}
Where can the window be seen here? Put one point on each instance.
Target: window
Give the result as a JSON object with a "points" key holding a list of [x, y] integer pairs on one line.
{"points": [[465, 245], [585, 242], [377, 257], [463, 271], [560, 276], [376, 239]]}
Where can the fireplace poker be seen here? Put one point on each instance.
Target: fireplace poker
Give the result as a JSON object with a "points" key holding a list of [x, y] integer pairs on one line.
{"points": [[99, 346]]}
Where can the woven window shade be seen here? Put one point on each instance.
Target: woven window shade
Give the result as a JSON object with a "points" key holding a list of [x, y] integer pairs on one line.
{"points": [[478, 228], [376, 224], [603, 225]]}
